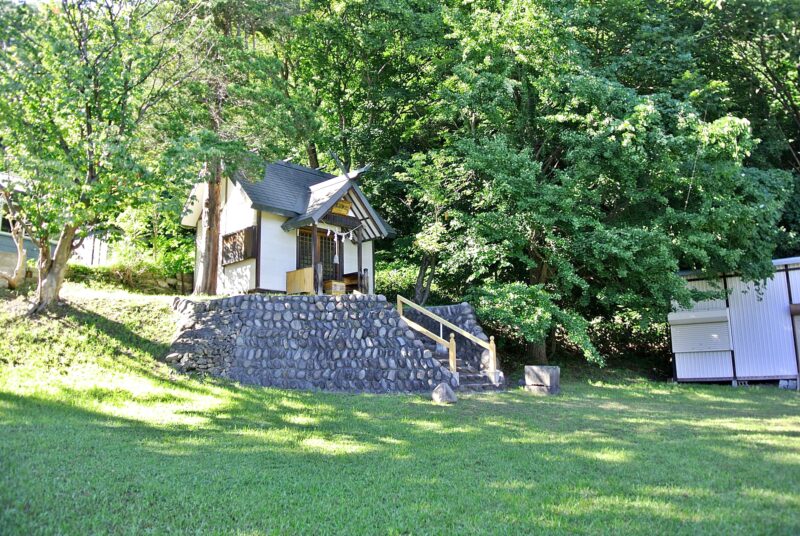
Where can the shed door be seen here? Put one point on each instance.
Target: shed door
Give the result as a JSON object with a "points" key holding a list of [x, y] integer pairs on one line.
{"points": [[761, 327], [701, 343]]}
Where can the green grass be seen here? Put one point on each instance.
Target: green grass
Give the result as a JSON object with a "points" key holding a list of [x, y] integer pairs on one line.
{"points": [[97, 436]]}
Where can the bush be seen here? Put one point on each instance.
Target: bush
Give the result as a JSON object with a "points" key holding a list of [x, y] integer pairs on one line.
{"points": [[393, 278], [399, 277], [142, 277], [626, 339]]}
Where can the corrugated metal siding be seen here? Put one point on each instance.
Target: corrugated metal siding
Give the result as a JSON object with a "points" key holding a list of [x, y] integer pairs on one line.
{"points": [[705, 337], [706, 286], [761, 328], [794, 279], [704, 365]]}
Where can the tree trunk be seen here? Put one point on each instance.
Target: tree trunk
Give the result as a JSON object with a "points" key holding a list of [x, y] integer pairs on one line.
{"points": [[422, 288], [313, 158], [537, 353], [16, 279], [52, 270], [207, 284]]}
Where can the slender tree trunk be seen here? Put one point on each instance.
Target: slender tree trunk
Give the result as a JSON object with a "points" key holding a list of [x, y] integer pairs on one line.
{"points": [[207, 284], [52, 270], [16, 279], [313, 158], [537, 351]]}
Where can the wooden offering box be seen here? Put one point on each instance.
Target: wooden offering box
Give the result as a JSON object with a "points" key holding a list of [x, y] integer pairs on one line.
{"points": [[334, 288]]}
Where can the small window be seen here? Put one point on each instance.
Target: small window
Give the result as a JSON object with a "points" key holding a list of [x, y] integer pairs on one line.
{"points": [[239, 246]]}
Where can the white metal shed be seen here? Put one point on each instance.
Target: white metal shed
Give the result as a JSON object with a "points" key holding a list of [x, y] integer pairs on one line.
{"points": [[746, 336]]}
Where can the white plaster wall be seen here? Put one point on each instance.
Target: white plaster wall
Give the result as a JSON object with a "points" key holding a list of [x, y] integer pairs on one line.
{"points": [[351, 260], [278, 252], [237, 212], [237, 278]]}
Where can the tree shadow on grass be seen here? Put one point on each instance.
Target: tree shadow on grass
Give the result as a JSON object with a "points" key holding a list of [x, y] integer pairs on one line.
{"points": [[120, 345], [290, 461], [215, 456]]}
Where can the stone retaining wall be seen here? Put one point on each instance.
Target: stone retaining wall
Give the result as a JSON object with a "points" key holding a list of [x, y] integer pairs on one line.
{"points": [[333, 343]]}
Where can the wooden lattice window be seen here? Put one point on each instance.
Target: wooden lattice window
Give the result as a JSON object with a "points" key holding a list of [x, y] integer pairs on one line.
{"points": [[303, 249], [326, 251], [327, 248], [239, 246]]}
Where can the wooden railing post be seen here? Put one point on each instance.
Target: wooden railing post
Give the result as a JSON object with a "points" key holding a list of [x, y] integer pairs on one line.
{"points": [[399, 305], [452, 352], [492, 355]]}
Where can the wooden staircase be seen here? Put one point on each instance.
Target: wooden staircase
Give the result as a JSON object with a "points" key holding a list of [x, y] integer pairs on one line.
{"points": [[471, 377]]}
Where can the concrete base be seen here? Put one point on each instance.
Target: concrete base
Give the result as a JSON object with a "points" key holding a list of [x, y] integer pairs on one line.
{"points": [[788, 384], [542, 380]]}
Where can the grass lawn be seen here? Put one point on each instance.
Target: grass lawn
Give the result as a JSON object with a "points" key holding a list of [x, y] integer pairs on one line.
{"points": [[97, 436]]}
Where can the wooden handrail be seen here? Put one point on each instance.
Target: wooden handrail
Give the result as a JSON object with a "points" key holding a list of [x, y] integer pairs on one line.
{"points": [[488, 345], [434, 316], [421, 329]]}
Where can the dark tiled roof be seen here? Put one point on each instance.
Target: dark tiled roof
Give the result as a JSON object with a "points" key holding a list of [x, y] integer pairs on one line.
{"points": [[284, 189], [305, 195]]}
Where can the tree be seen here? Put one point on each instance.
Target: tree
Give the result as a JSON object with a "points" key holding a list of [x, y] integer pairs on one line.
{"points": [[76, 81], [227, 117], [577, 196], [755, 47]]}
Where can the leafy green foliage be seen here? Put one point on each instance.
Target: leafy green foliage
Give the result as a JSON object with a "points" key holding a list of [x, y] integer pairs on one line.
{"points": [[558, 162], [569, 190], [76, 83]]}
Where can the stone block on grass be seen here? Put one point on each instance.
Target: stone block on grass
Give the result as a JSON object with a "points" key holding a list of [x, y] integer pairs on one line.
{"points": [[544, 380], [444, 394]]}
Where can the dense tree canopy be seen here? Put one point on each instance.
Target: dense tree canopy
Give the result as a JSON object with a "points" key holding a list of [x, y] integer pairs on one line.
{"points": [[77, 79], [553, 162]]}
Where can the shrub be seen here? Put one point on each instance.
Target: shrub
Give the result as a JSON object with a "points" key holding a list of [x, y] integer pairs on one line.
{"points": [[399, 277], [142, 276]]}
